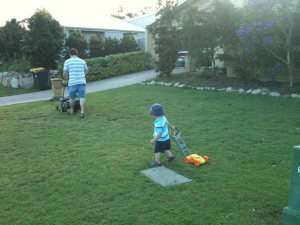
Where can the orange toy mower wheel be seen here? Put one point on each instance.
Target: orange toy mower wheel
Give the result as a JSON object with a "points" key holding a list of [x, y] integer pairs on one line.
{"points": [[206, 158], [197, 163], [187, 160]]}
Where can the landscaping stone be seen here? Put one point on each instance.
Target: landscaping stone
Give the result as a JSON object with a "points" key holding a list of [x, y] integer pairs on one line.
{"points": [[176, 84], [213, 89], [164, 176], [256, 91], [207, 88], [294, 95], [221, 89], [14, 83], [249, 91], [6, 81], [168, 84], [181, 85], [275, 94], [229, 89], [200, 88], [241, 90], [151, 82], [27, 82]]}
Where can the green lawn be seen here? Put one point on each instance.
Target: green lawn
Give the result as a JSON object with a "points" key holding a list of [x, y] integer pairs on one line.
{"points": [[5, 91], [60, 169]]}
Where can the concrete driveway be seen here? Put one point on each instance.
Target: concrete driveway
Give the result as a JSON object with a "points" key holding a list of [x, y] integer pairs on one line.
{"points": [[110, 83]]}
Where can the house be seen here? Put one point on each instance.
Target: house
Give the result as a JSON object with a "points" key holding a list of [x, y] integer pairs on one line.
{"points": [[110, 27], [201, 5]]}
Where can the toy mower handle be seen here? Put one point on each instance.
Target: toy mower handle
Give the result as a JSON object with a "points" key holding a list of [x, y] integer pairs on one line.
{"points": [[175, 132]]}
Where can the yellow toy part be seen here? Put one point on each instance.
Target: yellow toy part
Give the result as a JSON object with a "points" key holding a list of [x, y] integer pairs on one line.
{"points": [[196, 159]]}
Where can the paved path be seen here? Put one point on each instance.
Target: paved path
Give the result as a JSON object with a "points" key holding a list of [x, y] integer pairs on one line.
{"points": [[110, 83]]}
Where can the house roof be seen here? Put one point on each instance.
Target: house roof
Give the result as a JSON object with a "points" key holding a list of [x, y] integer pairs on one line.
{"points": [[148, 19], [110, 23]]}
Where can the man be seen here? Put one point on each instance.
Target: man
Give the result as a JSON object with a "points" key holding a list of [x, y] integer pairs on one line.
{"points": [[75, 70]]}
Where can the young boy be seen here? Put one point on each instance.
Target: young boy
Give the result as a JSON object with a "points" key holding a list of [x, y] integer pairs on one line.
{"points": [[161, 137]]}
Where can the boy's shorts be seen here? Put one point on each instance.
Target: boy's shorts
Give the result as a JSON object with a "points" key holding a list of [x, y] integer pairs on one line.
{"points": [[161, 146], [77, 88]]}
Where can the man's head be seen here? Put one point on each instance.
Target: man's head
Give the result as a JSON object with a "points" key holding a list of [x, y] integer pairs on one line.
{"points": [[73, 51]]}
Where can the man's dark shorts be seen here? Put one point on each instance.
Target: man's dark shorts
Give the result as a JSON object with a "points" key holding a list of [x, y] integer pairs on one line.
{"points": [[161, 146], [77, 88]]}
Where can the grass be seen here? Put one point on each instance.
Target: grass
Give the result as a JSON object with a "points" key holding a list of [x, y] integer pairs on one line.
{"points": [[57, 169], [6, 91]]}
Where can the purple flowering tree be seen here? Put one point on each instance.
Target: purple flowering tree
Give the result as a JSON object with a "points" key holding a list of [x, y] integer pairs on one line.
{"points": [[271, 26]]}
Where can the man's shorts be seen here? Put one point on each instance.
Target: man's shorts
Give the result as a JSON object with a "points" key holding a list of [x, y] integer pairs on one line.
{"points": [[77, 88], [161, 146]]}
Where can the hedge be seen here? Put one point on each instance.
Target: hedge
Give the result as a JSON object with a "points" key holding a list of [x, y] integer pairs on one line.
{"points": [[115, 65]]}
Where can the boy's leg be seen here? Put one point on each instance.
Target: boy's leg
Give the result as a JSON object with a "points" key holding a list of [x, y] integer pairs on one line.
{"points": [[169, 153], [157, 157]]}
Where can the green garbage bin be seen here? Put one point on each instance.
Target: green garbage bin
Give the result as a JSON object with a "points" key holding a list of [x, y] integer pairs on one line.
{"points": [[291, 213], [41, 79]]}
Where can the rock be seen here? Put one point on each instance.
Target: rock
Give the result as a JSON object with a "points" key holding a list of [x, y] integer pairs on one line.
{"points": [[234, 90], [14, 83], [168, 84], [176, 84], [229, 89], [27, 82], [275, 94], [181, 85], [5, 74], [256, 91], [6, 81], [241, 90], [207, 88], [200, 88], [213, 88], [294, 95], [249, 91], [1, 77], [160, 83], [151, 82], [221, 89]]}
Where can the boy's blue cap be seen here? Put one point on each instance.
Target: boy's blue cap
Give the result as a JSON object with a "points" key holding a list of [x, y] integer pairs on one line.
{"points": [[157, 110]]}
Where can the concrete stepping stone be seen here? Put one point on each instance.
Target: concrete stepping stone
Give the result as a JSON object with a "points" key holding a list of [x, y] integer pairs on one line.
{"points": [[164, 176]]}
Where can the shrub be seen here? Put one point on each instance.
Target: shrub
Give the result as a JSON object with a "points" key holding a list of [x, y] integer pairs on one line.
{"points": [[19, 65], [115, 65]]}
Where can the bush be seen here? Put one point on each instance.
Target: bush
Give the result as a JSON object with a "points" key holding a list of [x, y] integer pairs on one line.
{"points": [[114, 65], [20, 65]]}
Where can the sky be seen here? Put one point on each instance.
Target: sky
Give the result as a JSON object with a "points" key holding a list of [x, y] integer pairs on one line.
{"points": [[66, 10]]}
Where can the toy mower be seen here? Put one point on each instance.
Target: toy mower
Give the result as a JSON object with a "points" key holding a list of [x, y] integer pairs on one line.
{"points": [[195, 159]]}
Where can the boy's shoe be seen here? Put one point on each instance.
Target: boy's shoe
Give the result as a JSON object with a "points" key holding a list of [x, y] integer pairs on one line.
{"points": [[171, 158], [81, 115], [155, 164]]}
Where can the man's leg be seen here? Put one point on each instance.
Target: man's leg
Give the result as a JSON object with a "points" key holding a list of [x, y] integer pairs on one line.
{"points": [[81, 94], [72, 90], [72, 102], [82, 104]]}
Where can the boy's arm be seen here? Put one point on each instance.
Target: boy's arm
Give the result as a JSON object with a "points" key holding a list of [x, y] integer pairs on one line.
{"points": [[154, 140], [171, 126]]}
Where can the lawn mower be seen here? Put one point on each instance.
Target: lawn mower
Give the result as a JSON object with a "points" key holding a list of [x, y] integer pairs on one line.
{"points": [[64, 102], [195, 159]]}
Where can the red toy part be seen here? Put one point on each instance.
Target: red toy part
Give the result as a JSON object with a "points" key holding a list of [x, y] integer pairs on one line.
{"points": [[196, 159]]}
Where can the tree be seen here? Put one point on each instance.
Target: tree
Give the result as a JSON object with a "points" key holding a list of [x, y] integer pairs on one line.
{"points": [[11, 36], [166, 32], [204, 31], [111, 46], [128, 43], [271, 27], [77, 40], [96, 46], [44, 40]]}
